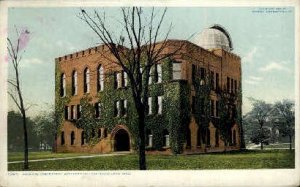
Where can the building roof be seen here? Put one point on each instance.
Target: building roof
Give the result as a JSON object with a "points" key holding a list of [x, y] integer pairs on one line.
{"points": [[214, 37]]}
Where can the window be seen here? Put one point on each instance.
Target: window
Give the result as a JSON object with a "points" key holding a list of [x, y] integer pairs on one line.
{"points": [[159, 101], [117, 109], [62, 138], [212, 80], [125, 107], [86, 80], [176, 70], [74, 83], [207, 137], [199, 137], [217, 108], [217, 138], [212, 109], [66, 112], [72, 138], [105, 133], [100, 83], [235, 86], [193, 73], [97, 110], [120, 108], [63, 85], [119, 80], [166, 140], [78, 111], [202, 73], [231, 87], [82, 138], [115, 80], [228, 84], [149, 139], [193, 104], [149, 105], [234, 137], [202, 106], [73, 112], [99, 133], [188, 138], [125, 77], [217, 81], [159, 73], [151, 75]]}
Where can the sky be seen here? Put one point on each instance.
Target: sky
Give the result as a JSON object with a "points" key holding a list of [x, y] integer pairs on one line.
{"points": [[262, 37]]}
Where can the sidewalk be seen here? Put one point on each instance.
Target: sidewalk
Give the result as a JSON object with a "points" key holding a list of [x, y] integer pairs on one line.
{"points": [[67, 158]]}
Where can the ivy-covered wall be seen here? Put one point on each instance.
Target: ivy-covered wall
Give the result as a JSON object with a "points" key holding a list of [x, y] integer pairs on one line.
{"points": [[174, 117]]}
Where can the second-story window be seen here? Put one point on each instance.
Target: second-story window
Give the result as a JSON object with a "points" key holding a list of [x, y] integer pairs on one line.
{"points": [[86, 80], [176, 70], [74, 83], [228, 84], [78, 111], [125, 77], [63, 85], [149, 105], [193, 73], [119, 80], [100, 80], [160, 106], [159, 73], [212, 79], [217, 81]]}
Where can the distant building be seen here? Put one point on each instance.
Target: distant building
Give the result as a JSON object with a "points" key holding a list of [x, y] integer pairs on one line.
{"points": [[84, 73]]}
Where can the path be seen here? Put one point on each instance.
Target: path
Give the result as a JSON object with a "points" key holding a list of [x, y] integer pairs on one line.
{"points": [[67, 158]]}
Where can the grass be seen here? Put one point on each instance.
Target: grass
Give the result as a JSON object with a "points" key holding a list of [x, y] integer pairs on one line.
{"points": [[234, 160]]}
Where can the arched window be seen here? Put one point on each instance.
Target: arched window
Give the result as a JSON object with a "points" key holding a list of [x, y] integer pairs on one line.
{"points": [[234, 137], [199, 137], [82, 138], [188, 138], [74, 83], [86, 81], [149, 139], [166, 140], [72, 138], [63, 85], [100, 82], [62, 138], [217, 138]]}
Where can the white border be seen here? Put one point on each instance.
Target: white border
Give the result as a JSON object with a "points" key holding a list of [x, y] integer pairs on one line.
{"points": [[259, 177]]}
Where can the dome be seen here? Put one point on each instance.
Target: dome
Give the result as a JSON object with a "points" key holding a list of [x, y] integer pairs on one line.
{"points": [[214, 37]]}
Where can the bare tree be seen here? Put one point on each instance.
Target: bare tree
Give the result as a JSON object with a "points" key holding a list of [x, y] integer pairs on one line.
{"points": [[141, 34], [15, 92]]}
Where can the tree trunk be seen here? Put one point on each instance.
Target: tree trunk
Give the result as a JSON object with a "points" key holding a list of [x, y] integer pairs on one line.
{"points": [[26, 166], [142, 155]]}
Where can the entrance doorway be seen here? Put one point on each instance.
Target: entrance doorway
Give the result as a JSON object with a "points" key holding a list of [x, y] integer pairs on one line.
{"points": [[122, 140]]}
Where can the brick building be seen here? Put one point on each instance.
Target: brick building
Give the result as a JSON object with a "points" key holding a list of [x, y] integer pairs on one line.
{"points": [[84, 73]]}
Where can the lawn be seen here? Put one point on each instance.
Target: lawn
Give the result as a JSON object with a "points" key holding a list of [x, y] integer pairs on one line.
{"points": [[233, 160]]}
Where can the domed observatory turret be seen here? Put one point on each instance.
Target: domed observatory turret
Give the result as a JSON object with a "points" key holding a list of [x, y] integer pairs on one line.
{"points": [[214, 37]]}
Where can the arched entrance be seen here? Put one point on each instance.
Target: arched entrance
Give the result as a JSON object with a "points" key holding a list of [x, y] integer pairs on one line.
{"points": [[122, 142]]}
